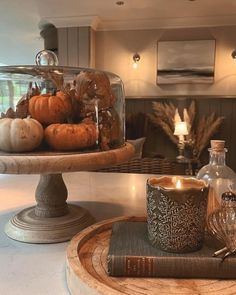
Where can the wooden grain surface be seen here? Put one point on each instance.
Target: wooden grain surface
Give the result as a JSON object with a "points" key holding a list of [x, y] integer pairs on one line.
{"points": [[86, 270], [37, 163]]}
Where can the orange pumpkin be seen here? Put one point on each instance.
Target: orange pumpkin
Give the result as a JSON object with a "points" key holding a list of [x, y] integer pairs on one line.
{"points": [[49, 109], [69, 137]]}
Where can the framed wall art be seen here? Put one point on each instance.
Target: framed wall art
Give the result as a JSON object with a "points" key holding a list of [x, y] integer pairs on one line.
{"points": [[185, 61]]}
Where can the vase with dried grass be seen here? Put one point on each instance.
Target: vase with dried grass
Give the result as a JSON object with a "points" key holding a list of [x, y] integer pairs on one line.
{"points": [[200, 130]]}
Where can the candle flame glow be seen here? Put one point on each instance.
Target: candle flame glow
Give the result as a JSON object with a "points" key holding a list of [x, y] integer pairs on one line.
{"points": [[178, 184]]}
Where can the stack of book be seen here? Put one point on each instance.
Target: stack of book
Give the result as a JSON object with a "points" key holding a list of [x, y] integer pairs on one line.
{"points": [[131, 254]]}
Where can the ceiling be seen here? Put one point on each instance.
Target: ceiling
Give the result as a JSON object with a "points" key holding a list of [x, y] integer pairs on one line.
{"points": [[21, 21], [107, 15], [136, 14]]}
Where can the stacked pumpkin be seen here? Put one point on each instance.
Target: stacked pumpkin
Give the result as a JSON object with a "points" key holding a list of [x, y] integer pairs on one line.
{"points": [[53, 111], [64, 120]]}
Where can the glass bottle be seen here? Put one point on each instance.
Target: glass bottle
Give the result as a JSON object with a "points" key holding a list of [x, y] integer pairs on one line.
{"points": [[217, 174]]}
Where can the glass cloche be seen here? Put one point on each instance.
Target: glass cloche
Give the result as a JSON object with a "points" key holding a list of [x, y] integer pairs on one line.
{"points": [[57, 108]]}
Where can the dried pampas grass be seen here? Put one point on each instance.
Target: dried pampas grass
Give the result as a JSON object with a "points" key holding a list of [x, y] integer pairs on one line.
{"points": [[167, 115], [163, 116], [206, 128]]}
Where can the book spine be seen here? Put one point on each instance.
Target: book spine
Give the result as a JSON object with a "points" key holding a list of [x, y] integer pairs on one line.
{"points": [[137, 266], [130, 266]]}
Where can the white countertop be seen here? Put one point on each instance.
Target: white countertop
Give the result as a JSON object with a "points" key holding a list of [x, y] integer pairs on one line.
{"points": [[40, 269]]}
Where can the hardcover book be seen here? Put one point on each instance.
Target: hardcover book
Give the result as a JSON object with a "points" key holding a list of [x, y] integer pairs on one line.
{"points": [[131, 254]]}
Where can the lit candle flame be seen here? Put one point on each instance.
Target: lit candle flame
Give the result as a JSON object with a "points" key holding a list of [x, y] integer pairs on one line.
{"points": [[178, 184]]}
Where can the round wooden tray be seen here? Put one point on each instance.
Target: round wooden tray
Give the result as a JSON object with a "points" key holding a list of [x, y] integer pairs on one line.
{"points": [[86, 270]]}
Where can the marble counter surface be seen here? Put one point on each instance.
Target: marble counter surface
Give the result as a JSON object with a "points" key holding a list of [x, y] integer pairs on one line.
{"points": [[40, 269]]}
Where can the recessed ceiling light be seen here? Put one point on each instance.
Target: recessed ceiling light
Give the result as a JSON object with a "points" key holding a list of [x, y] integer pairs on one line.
{"points": [[120, 3]]}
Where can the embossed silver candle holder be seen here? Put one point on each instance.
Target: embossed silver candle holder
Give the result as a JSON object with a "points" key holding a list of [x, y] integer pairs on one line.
{"points": [[176, 218]]}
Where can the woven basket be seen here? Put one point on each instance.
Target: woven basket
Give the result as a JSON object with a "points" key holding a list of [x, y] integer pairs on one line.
{"points": [[145, 166]]}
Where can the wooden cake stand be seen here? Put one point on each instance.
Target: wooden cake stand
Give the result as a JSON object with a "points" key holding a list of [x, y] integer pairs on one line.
{"points": [[87, 270], [52, 220]]}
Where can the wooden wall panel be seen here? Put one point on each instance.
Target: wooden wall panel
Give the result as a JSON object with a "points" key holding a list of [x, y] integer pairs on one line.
{"points": [[62, 46], [92, 48], [157, 141], [84, 46], [74, 46]]}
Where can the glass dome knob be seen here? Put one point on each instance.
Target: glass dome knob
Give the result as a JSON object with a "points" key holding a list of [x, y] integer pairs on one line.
{"points": [[46, 58]]}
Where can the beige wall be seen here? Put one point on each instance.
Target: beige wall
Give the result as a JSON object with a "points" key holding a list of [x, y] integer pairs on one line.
{"points": [[19, 32], [114, 51]]}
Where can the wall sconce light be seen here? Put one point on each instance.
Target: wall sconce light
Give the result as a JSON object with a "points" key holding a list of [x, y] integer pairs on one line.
{"points": [[233, 54], [136, 59]]}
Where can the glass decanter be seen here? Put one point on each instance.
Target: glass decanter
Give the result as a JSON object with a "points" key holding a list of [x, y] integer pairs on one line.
{"points": [[217, 174]]}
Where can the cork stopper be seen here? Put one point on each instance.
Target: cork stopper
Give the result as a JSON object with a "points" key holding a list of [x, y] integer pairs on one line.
{"points": [[218, 145]]}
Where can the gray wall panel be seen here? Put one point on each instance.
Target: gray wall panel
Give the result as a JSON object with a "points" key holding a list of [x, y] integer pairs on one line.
{"points": [[72, 47], [62, 46]]}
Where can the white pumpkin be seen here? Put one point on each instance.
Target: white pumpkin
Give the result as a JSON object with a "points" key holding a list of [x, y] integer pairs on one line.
{"points": [[20, 135]]}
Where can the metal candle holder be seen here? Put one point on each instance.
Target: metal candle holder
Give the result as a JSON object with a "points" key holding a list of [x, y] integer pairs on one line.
{"points": [[176, 217]]}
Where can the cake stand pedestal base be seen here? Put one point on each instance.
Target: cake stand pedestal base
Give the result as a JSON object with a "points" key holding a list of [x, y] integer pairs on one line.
{"points": [[52, 220]]}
